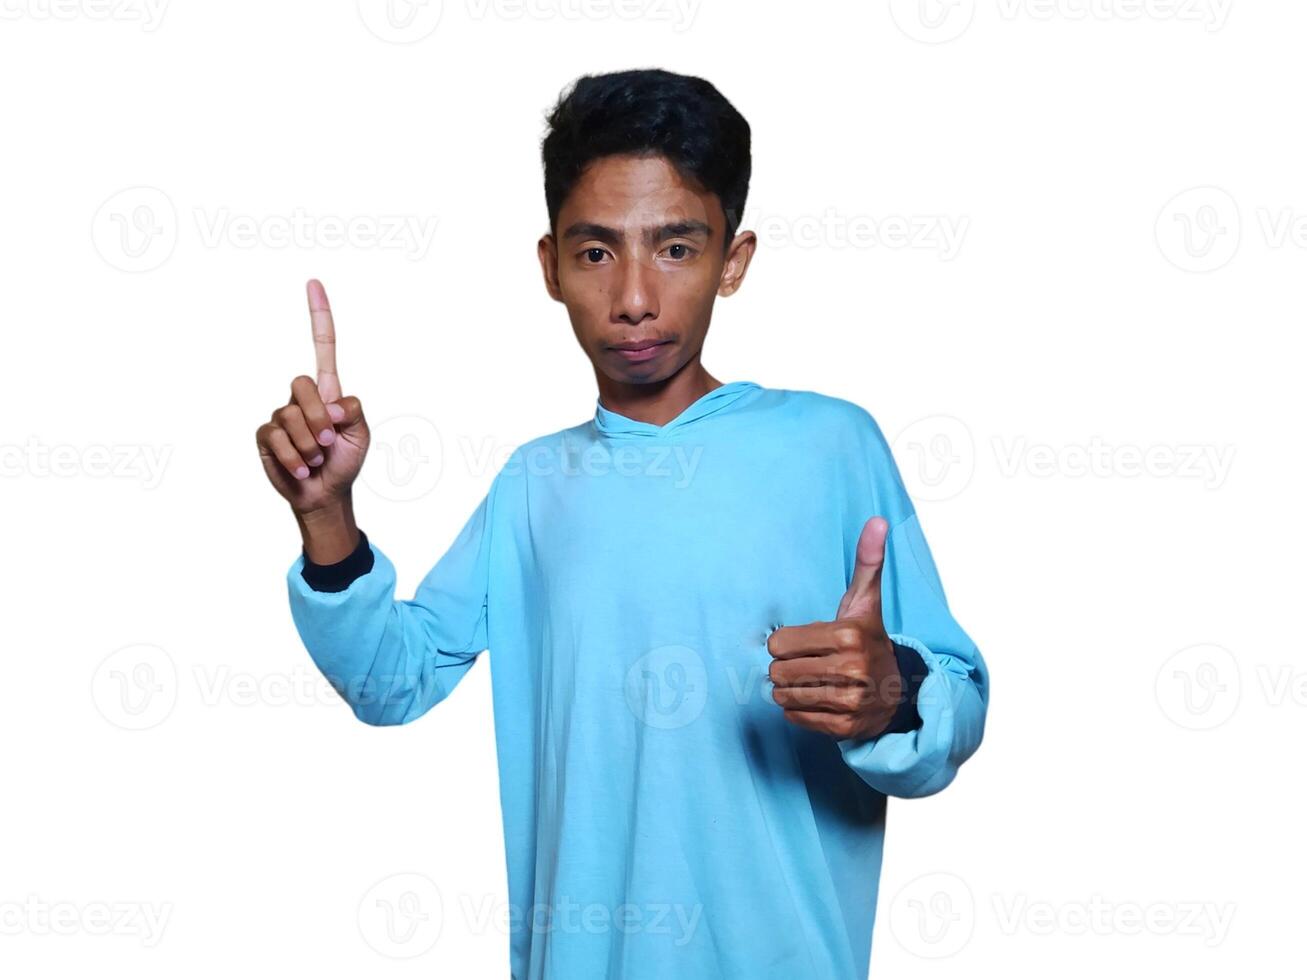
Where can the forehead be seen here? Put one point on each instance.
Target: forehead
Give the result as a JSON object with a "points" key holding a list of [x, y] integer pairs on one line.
{"points": [[635, 192]]}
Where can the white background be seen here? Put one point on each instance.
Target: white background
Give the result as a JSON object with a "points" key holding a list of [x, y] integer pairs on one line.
{"points": [[1090, 391]]}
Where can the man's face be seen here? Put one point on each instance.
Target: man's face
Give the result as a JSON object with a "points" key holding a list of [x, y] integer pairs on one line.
{"points": [[638, 262]]}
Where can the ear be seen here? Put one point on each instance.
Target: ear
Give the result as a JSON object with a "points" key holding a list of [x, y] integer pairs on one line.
{"points": [[547, 252], [738, 256]]}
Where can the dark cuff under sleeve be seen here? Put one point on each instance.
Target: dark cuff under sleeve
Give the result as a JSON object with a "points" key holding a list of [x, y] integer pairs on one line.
{"points": [[913, 670], [337, 577]]}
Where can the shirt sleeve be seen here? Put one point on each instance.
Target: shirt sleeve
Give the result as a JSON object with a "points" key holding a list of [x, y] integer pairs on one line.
{"points": [[912, 671], [393, 660], [337, 576], [953, 698]]}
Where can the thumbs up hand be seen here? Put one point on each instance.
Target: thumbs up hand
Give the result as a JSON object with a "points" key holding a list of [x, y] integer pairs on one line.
{"points": [[841, 677]]}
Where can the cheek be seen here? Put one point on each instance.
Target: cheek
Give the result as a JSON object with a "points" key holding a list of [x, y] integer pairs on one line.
{"points": [[697, 286], [583, 290], [692, 303], [587, 314]]}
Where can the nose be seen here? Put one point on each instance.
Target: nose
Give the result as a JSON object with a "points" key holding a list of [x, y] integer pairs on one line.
{"points": [[636, 297]]}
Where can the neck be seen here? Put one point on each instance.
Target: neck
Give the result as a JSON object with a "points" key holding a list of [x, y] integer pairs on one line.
{"points": [[657, 402]]}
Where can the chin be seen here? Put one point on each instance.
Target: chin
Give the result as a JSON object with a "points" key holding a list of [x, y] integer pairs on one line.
{"points": [[653, 371], [641, 374]]}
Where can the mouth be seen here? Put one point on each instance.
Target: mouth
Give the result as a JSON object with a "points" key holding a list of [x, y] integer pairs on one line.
{"points": [[638, 350]]}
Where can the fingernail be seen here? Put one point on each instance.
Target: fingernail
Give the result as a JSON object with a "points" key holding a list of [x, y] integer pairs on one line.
{"points": [[335, 411], [302, 472], [316, 460], [327, 436]]}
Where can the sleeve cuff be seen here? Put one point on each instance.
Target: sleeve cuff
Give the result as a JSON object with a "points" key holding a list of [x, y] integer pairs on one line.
{"points": [[912, 671], [338, 576]]}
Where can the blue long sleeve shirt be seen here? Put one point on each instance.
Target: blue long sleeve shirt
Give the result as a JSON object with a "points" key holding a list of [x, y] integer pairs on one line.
{"points": [[661, 817]]}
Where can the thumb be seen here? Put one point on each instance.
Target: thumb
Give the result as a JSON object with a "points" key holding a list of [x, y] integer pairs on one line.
{"points": [[863, 593]]}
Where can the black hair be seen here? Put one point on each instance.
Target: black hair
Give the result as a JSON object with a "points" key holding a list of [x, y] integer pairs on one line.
{"points": [[649, 111]]}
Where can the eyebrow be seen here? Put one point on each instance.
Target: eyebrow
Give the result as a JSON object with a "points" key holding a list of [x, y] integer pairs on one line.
{"points": [[685, 229]]}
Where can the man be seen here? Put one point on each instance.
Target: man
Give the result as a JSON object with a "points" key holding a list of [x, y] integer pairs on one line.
{"points": [[718, 639]]}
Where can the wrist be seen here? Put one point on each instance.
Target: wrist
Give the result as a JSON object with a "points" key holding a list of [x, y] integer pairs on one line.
{"points": [[329, 533]]}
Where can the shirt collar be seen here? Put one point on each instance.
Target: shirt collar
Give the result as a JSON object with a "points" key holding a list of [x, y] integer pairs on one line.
{"points": [[611, 423]]}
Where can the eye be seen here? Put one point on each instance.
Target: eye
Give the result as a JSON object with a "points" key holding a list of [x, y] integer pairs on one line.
{"points": [[681, 245], [594, 255]]}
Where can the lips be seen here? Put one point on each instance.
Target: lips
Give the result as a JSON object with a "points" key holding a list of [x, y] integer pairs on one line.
{"points": [[637, 351]]}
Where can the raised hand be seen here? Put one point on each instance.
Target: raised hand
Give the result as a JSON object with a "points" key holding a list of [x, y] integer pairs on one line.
{"points": [[314, 446], [841, 677]]}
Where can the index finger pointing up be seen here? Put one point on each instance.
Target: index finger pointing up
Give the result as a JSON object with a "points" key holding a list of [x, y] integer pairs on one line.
{"points": [[324, 342]]}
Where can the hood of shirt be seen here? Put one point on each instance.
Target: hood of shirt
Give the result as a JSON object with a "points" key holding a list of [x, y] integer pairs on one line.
{"points": [[615, 425]]}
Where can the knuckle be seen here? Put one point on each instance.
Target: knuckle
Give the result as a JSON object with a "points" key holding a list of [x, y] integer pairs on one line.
{"points": [[844, 725], [848, 636], [850, 698], [857, 673]]}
